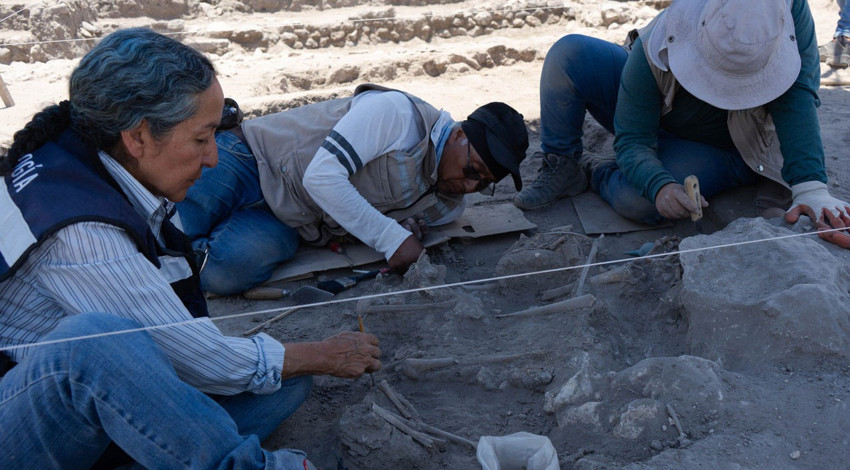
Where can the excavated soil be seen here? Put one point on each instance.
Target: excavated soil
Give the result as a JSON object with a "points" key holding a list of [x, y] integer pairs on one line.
{"points": [[726, 350]]}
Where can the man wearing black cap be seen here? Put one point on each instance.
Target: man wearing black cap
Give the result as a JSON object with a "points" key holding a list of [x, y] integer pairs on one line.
{"points": [[382, 166]]}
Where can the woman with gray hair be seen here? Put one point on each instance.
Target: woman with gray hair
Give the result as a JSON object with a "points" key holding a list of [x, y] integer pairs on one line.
{"points": [[90, 247]]}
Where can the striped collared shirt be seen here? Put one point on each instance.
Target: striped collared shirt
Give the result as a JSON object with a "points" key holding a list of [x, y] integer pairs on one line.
{"points": [[96, 267]]}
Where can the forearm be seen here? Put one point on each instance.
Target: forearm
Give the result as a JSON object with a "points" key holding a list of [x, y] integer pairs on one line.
{"points": [[117, 279], [328, 185], [636, 125], [346, 355], [795, 112], [304, 359]]}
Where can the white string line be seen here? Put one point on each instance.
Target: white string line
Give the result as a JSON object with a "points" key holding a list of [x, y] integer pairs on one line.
{"points": [[408, 291], [294, 25], [17, 12]]}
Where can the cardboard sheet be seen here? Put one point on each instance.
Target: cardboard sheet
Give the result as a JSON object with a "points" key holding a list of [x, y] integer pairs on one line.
{"points": [[597, 216], [476, 221]]}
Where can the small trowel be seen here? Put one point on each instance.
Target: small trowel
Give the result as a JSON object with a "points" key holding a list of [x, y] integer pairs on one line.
{"points": [[309, 294], [692, 188]]}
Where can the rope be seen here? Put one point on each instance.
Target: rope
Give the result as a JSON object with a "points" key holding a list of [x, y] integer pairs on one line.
{"points": [[419, 289]]}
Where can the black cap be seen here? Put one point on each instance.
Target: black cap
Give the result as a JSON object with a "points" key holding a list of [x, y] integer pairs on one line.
{"points": [[498, 133]]}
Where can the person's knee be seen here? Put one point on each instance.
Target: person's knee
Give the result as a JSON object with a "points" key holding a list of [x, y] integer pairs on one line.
{"points": [[233, 273], [229, 272], [299, 388], [91, 323], [636, 208]]}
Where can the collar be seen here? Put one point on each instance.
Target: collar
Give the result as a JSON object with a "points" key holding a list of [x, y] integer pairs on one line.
{"points": [[440, 133], [154, 209], [658, 43]]}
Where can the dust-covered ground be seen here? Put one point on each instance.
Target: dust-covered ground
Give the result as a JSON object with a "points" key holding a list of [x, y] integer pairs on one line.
{"points": [[727, 350]]}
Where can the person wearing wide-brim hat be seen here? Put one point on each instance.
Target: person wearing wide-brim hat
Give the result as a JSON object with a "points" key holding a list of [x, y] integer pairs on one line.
{"points": [[722, 89]]}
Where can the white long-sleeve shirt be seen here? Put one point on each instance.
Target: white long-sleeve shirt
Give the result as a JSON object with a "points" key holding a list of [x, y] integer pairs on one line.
{"points": [[377, 123]]}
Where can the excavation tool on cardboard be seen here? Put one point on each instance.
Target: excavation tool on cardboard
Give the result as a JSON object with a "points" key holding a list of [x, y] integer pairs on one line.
{"points": [[692, 188], [340, 284], [266, 293]]}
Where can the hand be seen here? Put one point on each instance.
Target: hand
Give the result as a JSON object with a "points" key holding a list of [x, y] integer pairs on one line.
{"points": [[813, 200], [350, 354], [672, 202], [346, 355], [416, 226], [406, 254]]}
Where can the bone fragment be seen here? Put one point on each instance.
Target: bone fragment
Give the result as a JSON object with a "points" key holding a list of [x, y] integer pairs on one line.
{"points": [[413, 368], [557, 292], [481, 287], [424, 427], [399, 423], [269, 322], [391, 308], [676, 422], [388, 391], [586, 300], [591, 257]]}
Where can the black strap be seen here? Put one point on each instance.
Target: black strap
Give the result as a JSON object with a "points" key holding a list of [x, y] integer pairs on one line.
{"points": [[6, 363]]}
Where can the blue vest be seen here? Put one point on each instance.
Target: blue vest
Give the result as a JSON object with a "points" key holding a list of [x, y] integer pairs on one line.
{"points": [[63, 183]]}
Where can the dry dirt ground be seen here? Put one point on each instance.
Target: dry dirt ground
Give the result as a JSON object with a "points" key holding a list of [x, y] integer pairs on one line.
{"points": [[732, 354]]}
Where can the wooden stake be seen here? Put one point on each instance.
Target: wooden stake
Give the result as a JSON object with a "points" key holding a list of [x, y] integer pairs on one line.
{"points": [[5, 95]]}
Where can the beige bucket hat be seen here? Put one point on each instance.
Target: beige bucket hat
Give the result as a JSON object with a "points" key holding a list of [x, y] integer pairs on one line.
{"points": [[733, 54]]}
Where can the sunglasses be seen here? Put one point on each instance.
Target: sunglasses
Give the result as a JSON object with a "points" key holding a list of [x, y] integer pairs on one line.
{"points": [[486, 187]]}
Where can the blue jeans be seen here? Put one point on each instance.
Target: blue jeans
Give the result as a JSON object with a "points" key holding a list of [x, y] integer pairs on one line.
{"points": [[64, 403], [843, 27], [581, 75], [225, 214]]}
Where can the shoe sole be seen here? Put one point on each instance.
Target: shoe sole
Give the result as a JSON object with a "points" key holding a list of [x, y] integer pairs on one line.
{"points": [[525, 206]]}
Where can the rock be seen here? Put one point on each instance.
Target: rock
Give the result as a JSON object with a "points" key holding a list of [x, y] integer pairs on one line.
{"points": [[586, 413], [688, 380], [345, 74], [370, 442], [545, 251], [423, 274], [576, 389], [641, 416], [468, 306], [789, 309]]}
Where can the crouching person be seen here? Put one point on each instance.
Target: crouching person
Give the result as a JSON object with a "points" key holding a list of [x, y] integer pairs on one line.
{"points": [[109, 354]]}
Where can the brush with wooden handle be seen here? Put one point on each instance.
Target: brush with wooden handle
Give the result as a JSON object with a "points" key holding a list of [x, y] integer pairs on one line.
{"points": [[692, 188]]}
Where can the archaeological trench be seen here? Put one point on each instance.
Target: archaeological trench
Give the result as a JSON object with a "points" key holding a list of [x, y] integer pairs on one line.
{"points": [[727, 350]]}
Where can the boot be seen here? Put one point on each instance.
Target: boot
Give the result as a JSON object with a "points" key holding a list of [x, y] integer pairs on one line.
{"points": [[559, 176]]}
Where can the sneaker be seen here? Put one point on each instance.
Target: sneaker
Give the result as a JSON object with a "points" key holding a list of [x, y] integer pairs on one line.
{"points": [[559, 176], [835, 54]]}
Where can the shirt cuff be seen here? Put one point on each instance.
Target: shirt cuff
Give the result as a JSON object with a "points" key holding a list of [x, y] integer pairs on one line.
{"points": [[391, 238], [270, 365]]}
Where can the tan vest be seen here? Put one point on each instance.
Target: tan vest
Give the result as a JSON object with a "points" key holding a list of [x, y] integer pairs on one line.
{"points": [[397, 184], [752, 130]]}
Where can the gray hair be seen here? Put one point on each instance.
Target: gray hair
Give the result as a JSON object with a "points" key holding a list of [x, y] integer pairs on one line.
{"points": [[130, 75], [133, 75]]}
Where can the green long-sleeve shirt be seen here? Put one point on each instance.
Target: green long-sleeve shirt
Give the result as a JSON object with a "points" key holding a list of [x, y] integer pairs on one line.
{"points": [[637, 119]]}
